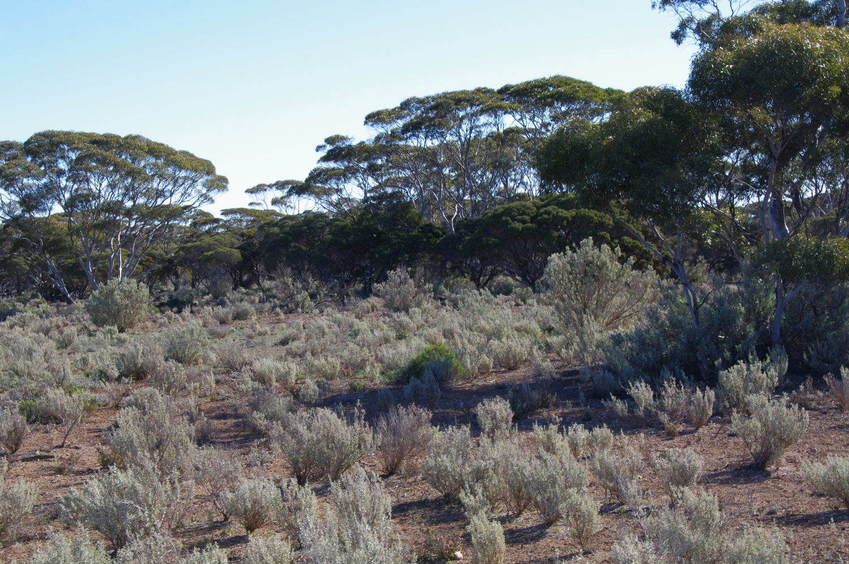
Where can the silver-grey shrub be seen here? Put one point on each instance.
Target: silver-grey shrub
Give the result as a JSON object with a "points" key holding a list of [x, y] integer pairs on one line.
{"points": [[13, 430], [119, 303], [829, 478], [16, 502], [270, 549], [76, 549], [618, 471], [188, 344], [320, 443], [678, 468], [488, 544], [157, 437], [254, 503], [122, 503], [447, 464], [772, 427], [548, 480], [752, 377], [403, 434], [495, 417]]}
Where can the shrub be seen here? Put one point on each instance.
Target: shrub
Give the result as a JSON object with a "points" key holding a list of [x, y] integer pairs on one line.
{"points": [[359, 498], [268, 550], [78, 549], [696, 531], [243, 311], [643, 397], [156, 438], [510, 474], [58, 406], [692, 532], [403, 433], [581, 513], [678, 405], [16, 502], [358, 530], [300, 505], [446, 466], [119, 303], [839, 389], [599, 439], [751, 378], [254, 503], [157, 546], [318, 442], [594, 291], [268, 409], [771, 429], [678, 468], [830, 478], [188, 344], [549, 439], [488, 545], [13, 430], [548, 480], [120, 503], [399, 292], [138, 360], [426, 390], [526, 398], [210, 554], [218, 473], [618, 471], [268, 372], [495, 418], [437, 360]]}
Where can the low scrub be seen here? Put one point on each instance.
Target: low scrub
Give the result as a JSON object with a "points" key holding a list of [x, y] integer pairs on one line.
{"points": [[403, 433], [829, 478], [16, 502], [320, 443], [772, 427]]}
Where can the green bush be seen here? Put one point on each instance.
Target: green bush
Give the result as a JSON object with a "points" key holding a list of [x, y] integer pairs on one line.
{"points": [[120, 303], [438, 360]]}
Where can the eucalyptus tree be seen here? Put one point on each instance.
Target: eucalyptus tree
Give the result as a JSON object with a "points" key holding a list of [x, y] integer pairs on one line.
{"points": [[783, 90], [115, 196]]}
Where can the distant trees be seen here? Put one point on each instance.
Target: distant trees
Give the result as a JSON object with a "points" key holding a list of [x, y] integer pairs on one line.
{"points": [[111, 198]]}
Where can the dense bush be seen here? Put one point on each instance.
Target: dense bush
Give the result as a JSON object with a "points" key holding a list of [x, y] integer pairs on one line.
{"points": [[13, 430], [403, 433], [399, 291], [753, 377], [268, 550], [123, 503], [435, 360], [830, 478], [254, 503], [77, 549], [16, 502], [772, 427], [447, 464], [187, 345], [488, 543], [495, 417], [319, 443], [596, 290], [119, 303]]}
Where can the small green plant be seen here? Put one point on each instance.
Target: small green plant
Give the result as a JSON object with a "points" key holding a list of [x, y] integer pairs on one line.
{"points": [[439, 361]]}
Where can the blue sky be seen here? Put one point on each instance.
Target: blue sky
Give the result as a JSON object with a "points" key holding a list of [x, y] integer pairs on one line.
{"points": [[255, 85]]}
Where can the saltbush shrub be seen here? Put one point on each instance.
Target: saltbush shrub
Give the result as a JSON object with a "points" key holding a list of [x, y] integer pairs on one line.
{"points": [[829, 478], [403, 434], [188, 344], [320, 443], [678, 468], [13, 430], [447, 464], [752, 377], [76, 549], [488, 545], [268, 550], [772, 427], [495, 417], [119, 303], [16, 502], [254, 503]]}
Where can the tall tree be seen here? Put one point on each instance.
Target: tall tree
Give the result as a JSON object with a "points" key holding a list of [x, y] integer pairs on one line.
{"points": [[117, 196]]}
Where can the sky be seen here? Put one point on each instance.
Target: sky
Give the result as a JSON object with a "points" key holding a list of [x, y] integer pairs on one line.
{"points": [[255, 85]]}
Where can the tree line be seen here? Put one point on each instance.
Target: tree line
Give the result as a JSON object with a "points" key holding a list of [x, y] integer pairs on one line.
{"points": [[743, 172]]}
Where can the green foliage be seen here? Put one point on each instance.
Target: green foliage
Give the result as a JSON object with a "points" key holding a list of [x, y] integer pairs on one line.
{"points": [[119, 303], [437, 360]]}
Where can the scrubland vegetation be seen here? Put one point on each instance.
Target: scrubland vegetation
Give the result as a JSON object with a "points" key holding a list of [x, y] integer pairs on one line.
{"points": [[549, 322]]}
